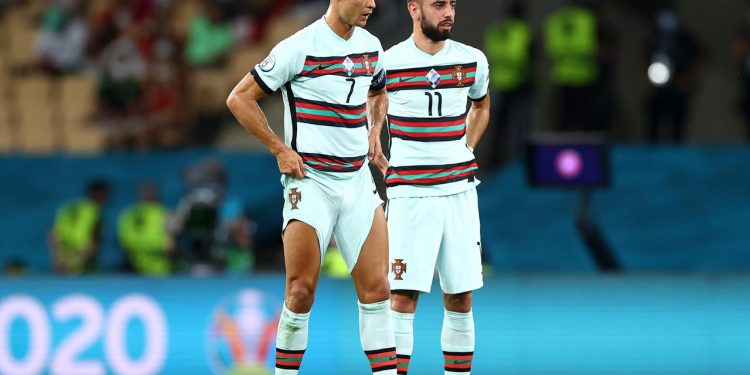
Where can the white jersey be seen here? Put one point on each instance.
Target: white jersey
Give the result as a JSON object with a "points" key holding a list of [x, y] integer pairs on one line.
{"points": [[427, 100], [325, 80]]}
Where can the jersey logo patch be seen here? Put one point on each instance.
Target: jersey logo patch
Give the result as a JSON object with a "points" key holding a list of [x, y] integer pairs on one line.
{"points": [[294, 198], [367, 64], [398, 268], [459, 75], [433, 77], [349, 66], [268, 63]]}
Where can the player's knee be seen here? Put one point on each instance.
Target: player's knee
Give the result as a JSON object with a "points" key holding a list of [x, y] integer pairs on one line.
{"points": [[404, 301], [460, 302], [300, 296], [376, 291]]}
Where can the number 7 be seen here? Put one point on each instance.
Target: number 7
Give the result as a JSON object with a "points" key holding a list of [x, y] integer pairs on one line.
{"points": [[351, 90]]}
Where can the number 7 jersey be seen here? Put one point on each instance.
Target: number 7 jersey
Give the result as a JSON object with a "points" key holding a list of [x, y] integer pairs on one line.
{"points": [[427, 97], [325, 81]]}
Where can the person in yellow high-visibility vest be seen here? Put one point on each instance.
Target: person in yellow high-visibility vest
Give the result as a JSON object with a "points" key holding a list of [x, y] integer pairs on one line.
{"points": [[509, 47], [572, 45], [142, 233], [76, 235]]}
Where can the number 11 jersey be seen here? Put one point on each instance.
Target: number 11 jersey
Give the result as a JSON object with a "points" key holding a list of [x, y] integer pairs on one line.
{"points": [[427, 100]]}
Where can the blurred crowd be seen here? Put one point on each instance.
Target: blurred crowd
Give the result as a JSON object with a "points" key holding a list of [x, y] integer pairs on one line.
{"points": [[580, 49], [143, 56], [208, 232]]}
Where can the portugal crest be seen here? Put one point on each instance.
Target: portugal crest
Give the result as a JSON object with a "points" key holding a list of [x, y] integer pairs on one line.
{"points": [[294, 198], [367, 64], [459, 75], [398, 267]]}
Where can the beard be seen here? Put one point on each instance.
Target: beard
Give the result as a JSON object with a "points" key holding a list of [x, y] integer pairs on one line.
{"points": [[433, 32]]}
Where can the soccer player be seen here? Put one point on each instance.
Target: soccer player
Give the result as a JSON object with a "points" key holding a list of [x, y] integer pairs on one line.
{"points": [[332, 79], [433, 218]]}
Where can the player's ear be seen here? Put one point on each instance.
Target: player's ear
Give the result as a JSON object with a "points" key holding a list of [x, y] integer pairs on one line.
{"points": [[414, 11]]}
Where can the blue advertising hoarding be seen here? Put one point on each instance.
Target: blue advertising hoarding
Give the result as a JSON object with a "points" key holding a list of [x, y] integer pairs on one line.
{"points": [[525, 325]]}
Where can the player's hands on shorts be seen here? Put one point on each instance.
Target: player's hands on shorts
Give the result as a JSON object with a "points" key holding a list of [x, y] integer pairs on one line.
{"points": [[290, 163], [375, 155]]}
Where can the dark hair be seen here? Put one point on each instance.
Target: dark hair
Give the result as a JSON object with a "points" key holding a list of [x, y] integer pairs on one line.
{"points": [[97, 185]]}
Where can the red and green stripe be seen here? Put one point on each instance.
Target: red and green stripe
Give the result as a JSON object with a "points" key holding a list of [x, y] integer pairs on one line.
{"points": [[316, 66], [289, 359], [429, 175], [416, 78], [402, 364], [428, 129], [329, 163], [328, 114], [458, 361], [382, 359]]}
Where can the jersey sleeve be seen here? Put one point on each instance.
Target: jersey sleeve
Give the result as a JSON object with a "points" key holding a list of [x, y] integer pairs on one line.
{"points": [[482, 79], [285, 61], [378, 78]]}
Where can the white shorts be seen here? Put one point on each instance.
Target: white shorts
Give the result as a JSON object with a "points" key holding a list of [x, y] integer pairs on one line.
{"points": [[429, 233], [343, 207]]}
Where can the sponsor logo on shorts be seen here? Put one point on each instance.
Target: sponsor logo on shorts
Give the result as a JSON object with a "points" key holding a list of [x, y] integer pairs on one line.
{"points": [[398, 267], [295, 197]]}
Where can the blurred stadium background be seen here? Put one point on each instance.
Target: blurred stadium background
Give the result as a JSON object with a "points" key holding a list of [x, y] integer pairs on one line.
{"points": [[632, 258]]}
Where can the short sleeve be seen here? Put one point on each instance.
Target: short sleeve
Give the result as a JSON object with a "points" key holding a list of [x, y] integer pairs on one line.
{"points": [[285, 61], [378, 78], [478, 90]]}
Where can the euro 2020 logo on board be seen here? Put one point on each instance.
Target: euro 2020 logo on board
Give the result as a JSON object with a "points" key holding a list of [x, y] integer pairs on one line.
{"points": [[242, 334]]}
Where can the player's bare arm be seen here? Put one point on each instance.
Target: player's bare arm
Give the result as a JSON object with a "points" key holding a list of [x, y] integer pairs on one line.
{"points": [[477, 120], [243, 102], [377, 108]]}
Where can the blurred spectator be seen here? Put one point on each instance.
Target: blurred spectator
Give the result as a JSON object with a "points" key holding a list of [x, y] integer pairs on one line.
{"points": [[76, 236], [741, 52], [210, 40], [123, 71], [234, 237], [509, 47], [142, 232], [61, 42], [673, 61], [571, 41]]}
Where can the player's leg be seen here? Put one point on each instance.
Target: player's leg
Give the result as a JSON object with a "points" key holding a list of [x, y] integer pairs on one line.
{"points": [[403, 307], [302, 261], [460, 267], [308, 222], [414, 235], [371, 282], [457, 337], [363, 239]]}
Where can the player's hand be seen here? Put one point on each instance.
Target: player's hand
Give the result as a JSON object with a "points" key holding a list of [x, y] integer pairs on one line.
{"points": [[290, 163], [376, 156]]}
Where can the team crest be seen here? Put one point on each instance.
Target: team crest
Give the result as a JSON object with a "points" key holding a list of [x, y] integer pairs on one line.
{"points": [[348, 66], [294, 198], [398, 268], [459, 75], [367, 64], [433, 78]]}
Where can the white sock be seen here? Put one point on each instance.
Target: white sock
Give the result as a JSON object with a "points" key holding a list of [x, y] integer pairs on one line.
{"points": [[291, 341], [403, 327], [457, 341], [376, 336]]}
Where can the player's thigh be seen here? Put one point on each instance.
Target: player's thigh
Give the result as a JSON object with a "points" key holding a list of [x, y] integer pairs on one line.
{"points": [[369, 273], [360, 211], [459, 263], [414, 235], [309, 214]]}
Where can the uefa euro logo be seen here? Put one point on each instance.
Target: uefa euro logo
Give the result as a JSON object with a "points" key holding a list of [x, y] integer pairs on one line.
{"points": [[242, 334]]}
